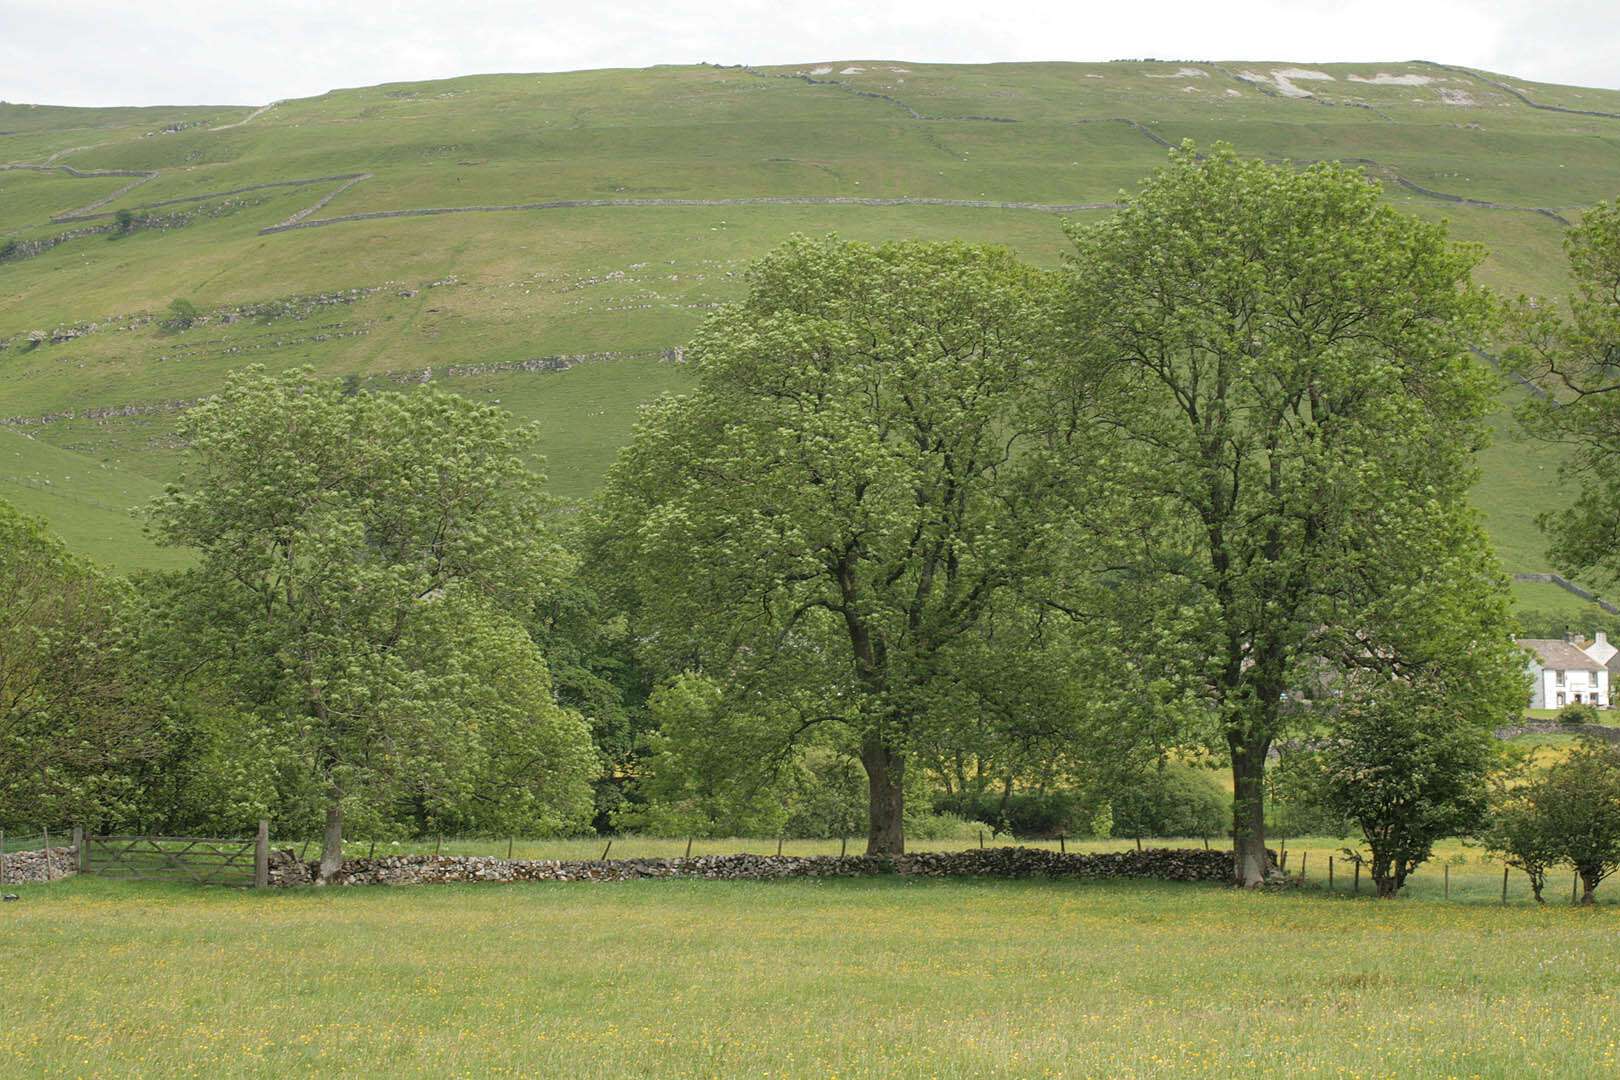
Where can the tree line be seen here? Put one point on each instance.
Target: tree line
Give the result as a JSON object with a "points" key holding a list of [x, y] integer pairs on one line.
{"points": [[934, 528]]}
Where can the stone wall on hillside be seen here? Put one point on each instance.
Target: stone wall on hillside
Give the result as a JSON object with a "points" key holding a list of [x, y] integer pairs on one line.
{"points": [[1169, 864]]}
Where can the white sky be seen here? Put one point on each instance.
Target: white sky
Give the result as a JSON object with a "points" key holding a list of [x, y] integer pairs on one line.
{"points": [[114, 52]]}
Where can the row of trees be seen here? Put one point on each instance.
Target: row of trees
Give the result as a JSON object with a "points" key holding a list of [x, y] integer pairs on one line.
{"points": [[923, 495], [931, 518]]}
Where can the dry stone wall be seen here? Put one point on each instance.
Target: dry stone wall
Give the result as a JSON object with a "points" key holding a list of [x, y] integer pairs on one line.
{"points": [[22, 867], [1169, 864]]}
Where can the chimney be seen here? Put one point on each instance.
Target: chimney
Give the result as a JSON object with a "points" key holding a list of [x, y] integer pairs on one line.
{"points": [[1600, 638]]}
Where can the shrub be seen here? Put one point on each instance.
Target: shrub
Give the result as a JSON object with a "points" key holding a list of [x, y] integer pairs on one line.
{"points": [[1173, 799], [182, 314], [1028, 814], [1575, 715]]}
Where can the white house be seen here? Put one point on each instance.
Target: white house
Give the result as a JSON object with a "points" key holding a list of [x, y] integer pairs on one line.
{"points": [[1567, 673]]}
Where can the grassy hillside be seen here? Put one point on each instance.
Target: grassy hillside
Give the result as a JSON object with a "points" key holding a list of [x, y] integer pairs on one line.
{"points": [[547, 240]]}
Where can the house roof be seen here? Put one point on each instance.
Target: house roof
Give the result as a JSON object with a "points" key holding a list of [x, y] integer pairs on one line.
{"points": [[1559, 654]]}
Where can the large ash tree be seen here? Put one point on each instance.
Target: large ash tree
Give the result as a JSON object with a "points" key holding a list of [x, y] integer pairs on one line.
{"points": [[855, 487], [362, 563], [1296, 418]]}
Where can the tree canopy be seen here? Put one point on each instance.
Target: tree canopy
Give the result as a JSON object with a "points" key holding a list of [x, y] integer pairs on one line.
{"points": [[362, 561], [79, 713], [1295, 414], [853, 493], [1573, 357]]}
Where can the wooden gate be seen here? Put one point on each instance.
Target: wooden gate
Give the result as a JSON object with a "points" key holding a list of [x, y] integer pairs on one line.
{"points": [[193, 859]]}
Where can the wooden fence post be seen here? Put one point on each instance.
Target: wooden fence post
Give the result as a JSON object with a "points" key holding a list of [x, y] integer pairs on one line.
{"points": [[843, 845], [688, 854], [1575, 889], [1448, 881], [981, 839], [1504, 884], [1330, 873], [604, 850], [779, 847], [1063, 849], [1304, 858], [47, 833], [261, 856], [510, 840], [78, 848], [1356, 889]]}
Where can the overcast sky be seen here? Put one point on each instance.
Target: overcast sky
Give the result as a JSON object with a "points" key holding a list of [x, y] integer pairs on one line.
{"points": [[114, 52]]}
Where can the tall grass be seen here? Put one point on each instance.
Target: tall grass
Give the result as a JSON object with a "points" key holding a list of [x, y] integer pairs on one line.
{"points": [[847, 978]]}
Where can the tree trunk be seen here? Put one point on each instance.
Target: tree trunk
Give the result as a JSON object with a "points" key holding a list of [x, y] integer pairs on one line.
{"points": [[1250, 861], [885, 781], [332, 841], [1589, 884]]}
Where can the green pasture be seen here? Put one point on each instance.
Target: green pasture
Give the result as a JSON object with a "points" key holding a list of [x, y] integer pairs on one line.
{"points": [[887, 977]]}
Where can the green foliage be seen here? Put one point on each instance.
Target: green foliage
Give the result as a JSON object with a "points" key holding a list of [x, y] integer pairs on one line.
{"points": [[182, 314], [594, 671], [1575, 361], [828, 800], [1542, 623], [1578, 801], [1567, 813], [359, 558], [1407, 742], [124, 218], [224, 770], [1175, 799], [1516, 828], [1576, 714], [1406, 774], [855, 488], [1023, 814], [1285, 362], [79, 711], [706, 769]]}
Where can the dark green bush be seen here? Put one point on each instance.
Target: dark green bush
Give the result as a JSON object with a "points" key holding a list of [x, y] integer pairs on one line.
{"points": [[1173, 799], [1027, 815], [1574, 715]]}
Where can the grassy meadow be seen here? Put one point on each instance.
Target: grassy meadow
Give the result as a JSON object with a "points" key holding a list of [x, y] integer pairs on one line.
{"points": [[86, 371], [880, 977]]}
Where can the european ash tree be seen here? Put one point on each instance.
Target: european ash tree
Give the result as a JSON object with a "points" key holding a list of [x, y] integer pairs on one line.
{"points": [[857, 483], [362, 561], [1294, 410]]}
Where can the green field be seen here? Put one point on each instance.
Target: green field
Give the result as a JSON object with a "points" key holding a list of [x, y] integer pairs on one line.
{"points": [[848, 978], [86, 370]]}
